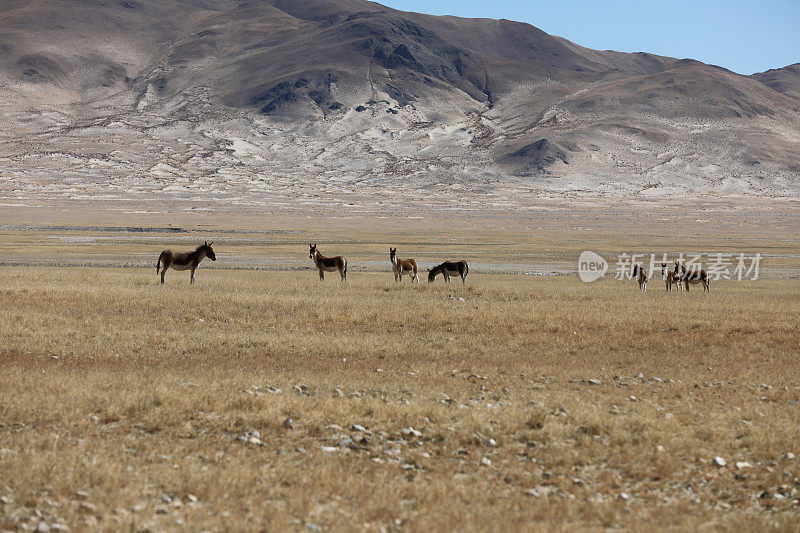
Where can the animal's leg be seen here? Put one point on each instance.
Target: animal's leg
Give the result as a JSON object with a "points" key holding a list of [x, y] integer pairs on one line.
{"points": [[191, 281], [163, 271], [321, 275]]}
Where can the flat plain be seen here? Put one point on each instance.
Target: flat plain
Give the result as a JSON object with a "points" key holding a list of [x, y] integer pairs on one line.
{"points": [[262, 399]]}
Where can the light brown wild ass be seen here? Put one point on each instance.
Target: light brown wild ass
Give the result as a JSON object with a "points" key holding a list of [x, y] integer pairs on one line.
{"points": [[671, 277], [695, 275], [402, 265], [184, 260], [327, 264], [640, 275], [449, 268]]}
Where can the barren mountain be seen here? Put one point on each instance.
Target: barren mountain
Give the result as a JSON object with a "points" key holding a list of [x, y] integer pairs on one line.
{"points": [[286, 102]]}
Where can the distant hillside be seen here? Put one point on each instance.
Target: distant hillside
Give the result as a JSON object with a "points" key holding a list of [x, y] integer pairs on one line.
{"points": [[193, 96]]}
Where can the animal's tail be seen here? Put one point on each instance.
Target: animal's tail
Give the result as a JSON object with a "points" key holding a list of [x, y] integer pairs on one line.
{"points": [[345, 268], [158, 264]]}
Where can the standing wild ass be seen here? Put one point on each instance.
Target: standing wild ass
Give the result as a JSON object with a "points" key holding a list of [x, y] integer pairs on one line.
{"points": [[640, 275], [327, 264], [184, 260], [671, 277], [695, 275], [402, 265]]}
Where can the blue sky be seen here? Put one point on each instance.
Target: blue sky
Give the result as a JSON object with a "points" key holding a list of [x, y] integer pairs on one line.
{"points": [[743, 36]]}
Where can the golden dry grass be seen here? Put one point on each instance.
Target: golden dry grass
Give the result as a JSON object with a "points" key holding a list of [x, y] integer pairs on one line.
{"points": [[135, 394]]}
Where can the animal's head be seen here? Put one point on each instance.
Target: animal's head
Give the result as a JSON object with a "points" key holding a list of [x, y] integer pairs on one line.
{"points": [[209, 250], [677, 267], [431, 276], [312, 248], [635, 270], [392, 252]]}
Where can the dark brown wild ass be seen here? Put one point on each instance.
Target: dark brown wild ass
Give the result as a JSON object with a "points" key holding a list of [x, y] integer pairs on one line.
{"points": [[184, 260], [671, 277], [448, 269], [327, 264], [695, 275], [640, 275], [402, 265]]}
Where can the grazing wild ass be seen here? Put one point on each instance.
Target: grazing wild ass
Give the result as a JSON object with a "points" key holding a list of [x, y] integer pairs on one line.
{"points": [[449, 268], [695, 275], [184, 260], [671, 277], [402, 265], [641, 277], [327, 264]]}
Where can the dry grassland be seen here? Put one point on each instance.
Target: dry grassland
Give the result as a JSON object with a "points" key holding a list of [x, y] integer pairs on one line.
{"points": [[122, 402]]}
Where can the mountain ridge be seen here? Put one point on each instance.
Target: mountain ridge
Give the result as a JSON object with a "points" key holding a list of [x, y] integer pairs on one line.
{"points": [[478, 100]]}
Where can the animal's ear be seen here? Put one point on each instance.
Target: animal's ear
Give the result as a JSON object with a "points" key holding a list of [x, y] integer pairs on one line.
{"points": [[205, 242], [212, 242]]}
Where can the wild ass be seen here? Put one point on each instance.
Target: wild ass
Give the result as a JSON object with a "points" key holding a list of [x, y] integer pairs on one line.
{"points": [[449, 268], [695, 275], [184, 260], [402, 265], [640, 275], [327, 264], [671, 277]]}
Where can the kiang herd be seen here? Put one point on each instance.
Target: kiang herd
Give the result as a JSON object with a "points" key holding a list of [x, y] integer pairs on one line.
{"points": [[191, 260], [679, 276]]}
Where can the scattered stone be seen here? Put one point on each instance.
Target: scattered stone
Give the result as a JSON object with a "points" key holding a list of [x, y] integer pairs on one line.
{"points": [[410, 431], [43, 527], [87, 507], [192, 498], [485, 461], [660, 449], [595, 382], [329, 449], [357, 427], [95, 419], [624, 496], [614, 410], [5, 500], [337, 393], [632, 398], [742, 464], [639, 375], [345, 443], [312, 527], [492, 443], [273, 390], [161, 510], [789, 456], [378, 370], [719, 461], [60, 527], [288, 423], [532, 492], [764, 495]]}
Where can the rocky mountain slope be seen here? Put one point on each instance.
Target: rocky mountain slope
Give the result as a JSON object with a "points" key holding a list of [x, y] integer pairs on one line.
{"points": [[297, 101]]}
